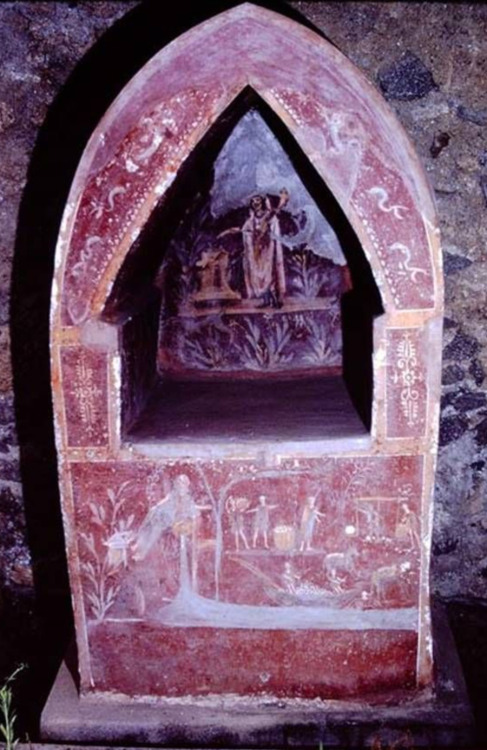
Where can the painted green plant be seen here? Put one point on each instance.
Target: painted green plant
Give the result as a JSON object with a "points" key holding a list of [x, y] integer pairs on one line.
{"points": [[8, 717]]}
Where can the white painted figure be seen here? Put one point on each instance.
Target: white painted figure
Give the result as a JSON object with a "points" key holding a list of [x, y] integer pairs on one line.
{"points": [[236, 508], [310, 516], [178, 513], [261, 521]]}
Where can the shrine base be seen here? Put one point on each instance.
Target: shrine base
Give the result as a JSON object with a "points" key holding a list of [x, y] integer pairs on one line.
{"points": [[433, 719]]}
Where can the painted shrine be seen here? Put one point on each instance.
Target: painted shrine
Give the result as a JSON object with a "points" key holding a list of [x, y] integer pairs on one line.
{"points": [[246, 337]]}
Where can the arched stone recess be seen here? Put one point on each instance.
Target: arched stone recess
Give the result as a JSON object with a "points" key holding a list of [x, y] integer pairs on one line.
{"points": [[134, 158]]}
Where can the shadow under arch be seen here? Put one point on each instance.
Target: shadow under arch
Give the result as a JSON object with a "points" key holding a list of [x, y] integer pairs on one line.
{"points": [[81, 102]]}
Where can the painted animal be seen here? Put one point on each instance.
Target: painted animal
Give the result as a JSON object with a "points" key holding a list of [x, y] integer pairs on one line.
{"points": [[386, 576], [343, 562]]}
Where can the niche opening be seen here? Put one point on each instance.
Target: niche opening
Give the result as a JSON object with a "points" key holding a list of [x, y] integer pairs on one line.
{"points": [[246, 305]]}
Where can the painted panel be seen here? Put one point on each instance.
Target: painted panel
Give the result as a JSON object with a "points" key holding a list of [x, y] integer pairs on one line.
{"points": [[369, 182], [253, 276], [332, 543], [406, 383], [84, 374], [292, 581]]}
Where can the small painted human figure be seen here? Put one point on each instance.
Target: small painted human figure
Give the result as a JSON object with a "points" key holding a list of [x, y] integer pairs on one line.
{"points": [[261, 521], [236, 507], [309, 517], [408, 526], [289, 578]]}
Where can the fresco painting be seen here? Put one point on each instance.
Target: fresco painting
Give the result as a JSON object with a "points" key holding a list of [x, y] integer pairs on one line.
{"points": [[252, 547], [253, 278]]}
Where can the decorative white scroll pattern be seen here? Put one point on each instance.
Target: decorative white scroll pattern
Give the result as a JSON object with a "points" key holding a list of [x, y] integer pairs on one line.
{"points": [[407, 282], [382, 198], [407, 375], [77, 303], [144, 163], [337, 136], [86, 392], [405, 269]]}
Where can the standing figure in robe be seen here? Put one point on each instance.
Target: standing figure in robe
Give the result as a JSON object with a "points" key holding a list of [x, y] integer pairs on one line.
{"points": [[309, 517], [178, 514], [263, 259]]}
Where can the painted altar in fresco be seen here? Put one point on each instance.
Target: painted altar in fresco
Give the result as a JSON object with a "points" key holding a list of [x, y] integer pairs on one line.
{"points": [[253, 278], [293, 565]]}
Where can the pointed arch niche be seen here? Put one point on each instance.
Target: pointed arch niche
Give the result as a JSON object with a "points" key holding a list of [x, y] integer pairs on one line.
{"points": [[247, 304]]}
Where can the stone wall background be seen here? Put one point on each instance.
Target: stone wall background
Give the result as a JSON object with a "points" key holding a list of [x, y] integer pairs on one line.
{"points": [[63, 63], [430, 62]]}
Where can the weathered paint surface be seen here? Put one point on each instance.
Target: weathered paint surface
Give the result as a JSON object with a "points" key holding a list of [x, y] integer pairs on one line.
{"points": [[268, 571], [303, 542], [277, 662]]}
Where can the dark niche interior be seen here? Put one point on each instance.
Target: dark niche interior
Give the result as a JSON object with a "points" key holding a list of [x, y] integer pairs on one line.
{"points": [[246, 305]]}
